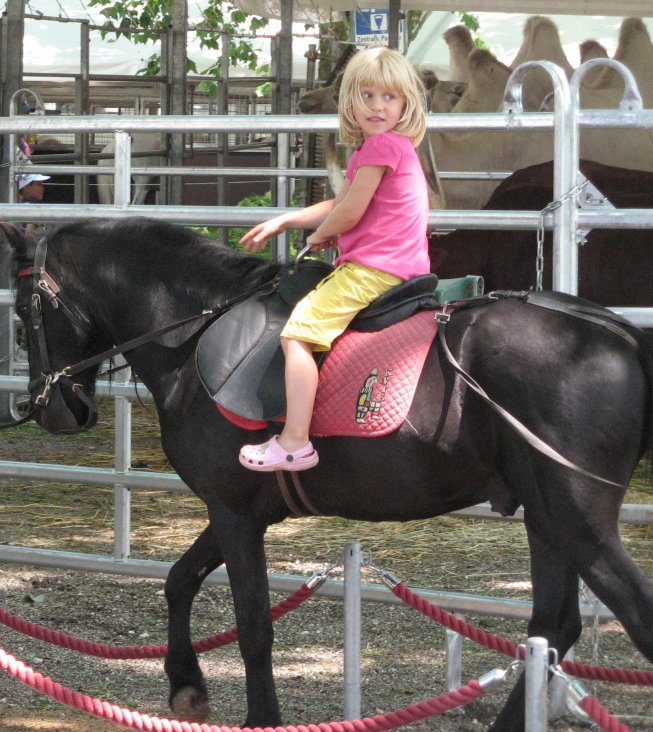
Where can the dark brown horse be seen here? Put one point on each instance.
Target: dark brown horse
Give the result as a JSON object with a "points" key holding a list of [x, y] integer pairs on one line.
{"points": [[615, 265], [584, 385]]}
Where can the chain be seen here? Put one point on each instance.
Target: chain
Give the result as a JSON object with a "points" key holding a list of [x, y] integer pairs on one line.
{"points": [[549, 208]]}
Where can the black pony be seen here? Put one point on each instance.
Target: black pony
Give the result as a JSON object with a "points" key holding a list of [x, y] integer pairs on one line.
{"points": [[584, 385]]}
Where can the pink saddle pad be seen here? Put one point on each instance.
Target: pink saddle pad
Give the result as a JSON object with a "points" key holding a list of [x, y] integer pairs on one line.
{"points": [[368, 380]]}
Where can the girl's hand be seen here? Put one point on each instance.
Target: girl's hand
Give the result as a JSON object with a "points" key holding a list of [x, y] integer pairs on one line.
{"points": [[256, 238], [317, 242]]}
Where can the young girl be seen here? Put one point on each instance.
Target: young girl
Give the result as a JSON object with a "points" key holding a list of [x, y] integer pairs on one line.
{"points": [[378, 221]]}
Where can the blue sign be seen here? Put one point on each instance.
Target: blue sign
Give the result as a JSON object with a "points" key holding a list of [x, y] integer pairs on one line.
{"points": [[372, 22], [373, 26]]}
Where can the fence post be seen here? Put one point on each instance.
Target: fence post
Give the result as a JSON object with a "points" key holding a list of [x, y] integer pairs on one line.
{"points": [[122, 493], [352, 560], [122, 169], [6, 346], [537, 664], [454, 655]]}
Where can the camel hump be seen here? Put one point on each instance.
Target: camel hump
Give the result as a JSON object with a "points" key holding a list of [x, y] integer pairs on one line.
{"points": [[542, 42], [460, 42], [458, 35], [591, 49], [634, 41], [484, 66]]}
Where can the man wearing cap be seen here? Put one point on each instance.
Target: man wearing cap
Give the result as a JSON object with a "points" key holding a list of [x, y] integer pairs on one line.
{"points": [[31, 190]]}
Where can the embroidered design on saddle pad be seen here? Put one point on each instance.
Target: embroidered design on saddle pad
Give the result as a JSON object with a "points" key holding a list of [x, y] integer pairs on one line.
{"points": [[368, 380]]}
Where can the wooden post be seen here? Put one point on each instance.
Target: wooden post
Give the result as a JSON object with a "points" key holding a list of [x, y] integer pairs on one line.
{"points": [[284, 67], [11, 71], [393, 23], [82, 107], [177, 92]]}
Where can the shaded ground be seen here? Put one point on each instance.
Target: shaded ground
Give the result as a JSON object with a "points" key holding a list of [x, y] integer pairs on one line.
{"points": [[402, 655]]}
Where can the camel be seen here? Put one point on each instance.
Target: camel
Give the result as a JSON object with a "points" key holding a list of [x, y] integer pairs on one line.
{"points": [[512, 150]]}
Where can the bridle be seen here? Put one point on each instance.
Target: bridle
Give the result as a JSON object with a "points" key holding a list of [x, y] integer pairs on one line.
{"points": [[45, 287]]}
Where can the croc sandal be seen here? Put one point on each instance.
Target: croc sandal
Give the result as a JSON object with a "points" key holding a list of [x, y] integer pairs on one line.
{"points": [[270, 456]]}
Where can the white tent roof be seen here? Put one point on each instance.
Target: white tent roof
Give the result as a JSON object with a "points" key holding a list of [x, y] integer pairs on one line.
{"points": [[54, 47], [322, 9]]}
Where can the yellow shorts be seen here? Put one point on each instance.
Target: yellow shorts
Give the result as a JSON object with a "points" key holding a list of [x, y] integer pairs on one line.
{"points": [[321, 316]]}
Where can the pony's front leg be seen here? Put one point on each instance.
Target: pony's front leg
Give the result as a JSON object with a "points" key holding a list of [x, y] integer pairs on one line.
{"points": [[188, 697], [244, 554]]}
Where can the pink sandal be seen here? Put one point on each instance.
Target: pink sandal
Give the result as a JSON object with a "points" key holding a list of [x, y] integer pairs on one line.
{"points": [[271, 456]]}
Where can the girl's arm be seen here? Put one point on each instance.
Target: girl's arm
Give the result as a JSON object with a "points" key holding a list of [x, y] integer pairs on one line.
{"points": [[304, 218], [350, 205]]}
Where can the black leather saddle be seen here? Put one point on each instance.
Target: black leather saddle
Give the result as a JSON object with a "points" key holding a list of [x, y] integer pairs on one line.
{"points": [[239, 358]]}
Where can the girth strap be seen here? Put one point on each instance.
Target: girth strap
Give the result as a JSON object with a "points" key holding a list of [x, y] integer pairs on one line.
{"points": [[532, 439], [301, 507]]}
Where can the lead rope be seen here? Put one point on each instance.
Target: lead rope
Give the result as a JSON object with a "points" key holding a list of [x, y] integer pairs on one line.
{"points": [[549, 208]]}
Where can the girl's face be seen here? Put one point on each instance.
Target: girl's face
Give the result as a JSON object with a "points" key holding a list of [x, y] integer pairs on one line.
{"points": [[382, 111]]}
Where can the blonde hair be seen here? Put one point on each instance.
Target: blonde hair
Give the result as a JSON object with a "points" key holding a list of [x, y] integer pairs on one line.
{"points": [[385, 67]]}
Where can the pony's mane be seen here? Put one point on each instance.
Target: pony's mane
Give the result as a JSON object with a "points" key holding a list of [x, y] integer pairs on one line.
{"points": [[164, 245]]}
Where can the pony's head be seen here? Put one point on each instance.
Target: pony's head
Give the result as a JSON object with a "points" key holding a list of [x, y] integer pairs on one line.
{"points": [[56, 338]]}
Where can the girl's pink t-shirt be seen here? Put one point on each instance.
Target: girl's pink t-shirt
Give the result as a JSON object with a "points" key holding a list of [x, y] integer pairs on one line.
{"points": [[391, 235]]}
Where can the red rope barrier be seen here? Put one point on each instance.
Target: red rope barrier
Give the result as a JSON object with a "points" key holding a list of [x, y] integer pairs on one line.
{"points": [[601, 673], [489, 640], [482, 637], [390, 720], [101, 650], [601, 715]]}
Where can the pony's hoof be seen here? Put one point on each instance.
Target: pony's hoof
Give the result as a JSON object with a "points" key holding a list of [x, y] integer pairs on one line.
{"points": [[190, 705]]}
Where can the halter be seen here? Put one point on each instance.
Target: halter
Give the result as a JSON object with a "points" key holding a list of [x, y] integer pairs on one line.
{"points": [[43, 285]]}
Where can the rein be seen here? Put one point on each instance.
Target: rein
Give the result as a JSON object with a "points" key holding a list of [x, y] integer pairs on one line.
{"points": [[44, 284]]}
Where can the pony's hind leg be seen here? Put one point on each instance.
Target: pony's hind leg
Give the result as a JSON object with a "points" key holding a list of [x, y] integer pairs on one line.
{"points": [[555, 616], [188, 696], [612, 575]]}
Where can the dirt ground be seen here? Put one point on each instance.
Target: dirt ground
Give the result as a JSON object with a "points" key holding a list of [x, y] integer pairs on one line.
{"points": [[403, 653]]}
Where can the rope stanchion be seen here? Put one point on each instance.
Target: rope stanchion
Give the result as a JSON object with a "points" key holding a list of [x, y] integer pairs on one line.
{"points": [[495, 643], [126, 717], [585, 702], [101, 650]]}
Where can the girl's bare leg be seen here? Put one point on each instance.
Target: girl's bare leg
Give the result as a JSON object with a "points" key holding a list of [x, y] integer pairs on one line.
{"points": [[301, 378]]}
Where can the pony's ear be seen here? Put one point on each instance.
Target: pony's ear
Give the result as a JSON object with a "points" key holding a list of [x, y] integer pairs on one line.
{"points": [[13, 236], [14, 245], [8, 237], [10, 233]]}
